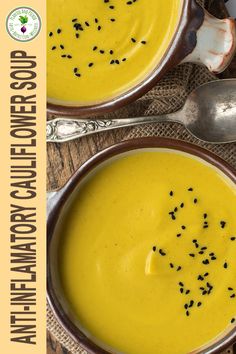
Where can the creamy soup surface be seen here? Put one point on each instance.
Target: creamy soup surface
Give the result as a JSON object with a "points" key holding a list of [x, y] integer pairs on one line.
{"points": [[98, 49], [147, 253]]}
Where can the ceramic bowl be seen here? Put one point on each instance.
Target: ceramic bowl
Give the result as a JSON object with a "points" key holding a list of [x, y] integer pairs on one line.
{"points": [[59, 202], [199, 38]]}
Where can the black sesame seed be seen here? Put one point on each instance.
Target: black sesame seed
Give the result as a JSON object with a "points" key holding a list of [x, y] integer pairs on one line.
{"points": [[90, 65], [59, 31], [187, 292], [225, 265], [233, 238], [222, 224], [179, 268], [185, 306], [95, 48], [133, 40], [183, 227], [178, 235], [111, 52], [171, 193], [199, 304], [74, 20], [154, 248], [50, 34], [232, 296], [171, 265], [206, 261], [124, 59], [62, 46], [143, 42], [181, 205], [195, 201], [187, 313], [205, 216], [162, 253], [232, 320], [181, 284], [99, 28], [230, 289], [181, 290], [190, 189], [54, 47], [191, 254]]}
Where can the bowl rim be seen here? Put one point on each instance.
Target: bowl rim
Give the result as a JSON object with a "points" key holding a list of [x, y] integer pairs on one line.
{"points": [[181, 45], [64, 194]]}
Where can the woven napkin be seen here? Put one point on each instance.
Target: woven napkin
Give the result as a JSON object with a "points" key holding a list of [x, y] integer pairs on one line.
{"points": [[168, 96]]}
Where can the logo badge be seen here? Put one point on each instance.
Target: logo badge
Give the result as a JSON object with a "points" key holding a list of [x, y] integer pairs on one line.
{"points": [[23, 24]]}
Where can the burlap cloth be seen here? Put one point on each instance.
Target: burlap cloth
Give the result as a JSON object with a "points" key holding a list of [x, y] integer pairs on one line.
{"points": [[168, 96]]}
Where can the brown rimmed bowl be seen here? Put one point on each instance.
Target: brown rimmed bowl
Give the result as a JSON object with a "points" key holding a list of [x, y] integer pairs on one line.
{"points": [[58, 204], [199, 38]]}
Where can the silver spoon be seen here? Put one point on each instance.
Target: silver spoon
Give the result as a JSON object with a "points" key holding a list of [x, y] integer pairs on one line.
{"points": [[209, 114]]}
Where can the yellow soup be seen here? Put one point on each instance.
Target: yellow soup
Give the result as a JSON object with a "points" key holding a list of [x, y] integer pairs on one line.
{"points": [[98, 49], [147, 253]]}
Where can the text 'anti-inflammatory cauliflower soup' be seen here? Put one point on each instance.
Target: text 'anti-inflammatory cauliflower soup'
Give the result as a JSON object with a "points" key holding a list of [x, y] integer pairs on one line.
{"points": [[98, 49], [147, 253]]}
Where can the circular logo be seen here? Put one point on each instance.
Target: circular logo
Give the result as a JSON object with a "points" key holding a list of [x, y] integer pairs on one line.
{"points": [[23, 24]]}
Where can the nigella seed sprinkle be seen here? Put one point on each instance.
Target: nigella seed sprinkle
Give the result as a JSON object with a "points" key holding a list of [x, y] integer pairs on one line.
{"points": [[201, 252], [195, 201], [112, 61], [179, 268], [191, 303], [171, 265], [74, 20], [206, 274], [154, 248], [181, 205], [204, 248], [90, 65], [222, 224], [178, 235], [233, 238], [187, 313], [225, 265], [205, 216], [185, 306], [87, 24], [162, 253], [117, 61], [191, 254], [102, 51], [190, 189], [50, 34], [62, 46], [199, 304], [187, 292], [194, 241], [175, 209], [77, 35], [183, 227], [54, 47], [206, 261], [181, 284], [181, 290], [111, 52], [112, 19], [59, 31], [96, 20], [75, 70], [63, 55], [69, 56], [111, 7], [124, 59], [78, 75], [133, 40], [95, 48], [99, 28], [143, 42], [232, 296], [171, 193], [232, 320]]}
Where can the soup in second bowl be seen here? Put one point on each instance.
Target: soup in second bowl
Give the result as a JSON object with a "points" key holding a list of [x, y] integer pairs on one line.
{"points": [[98, 49], [147, 253]]}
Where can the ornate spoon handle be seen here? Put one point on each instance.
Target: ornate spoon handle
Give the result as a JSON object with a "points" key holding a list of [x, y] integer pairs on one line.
{"points": [[65, 129]]}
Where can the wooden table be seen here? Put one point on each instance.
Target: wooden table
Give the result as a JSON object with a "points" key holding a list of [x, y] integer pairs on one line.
{"points": [[64, 160]]}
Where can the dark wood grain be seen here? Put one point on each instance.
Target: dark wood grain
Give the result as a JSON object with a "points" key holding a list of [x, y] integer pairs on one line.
{"points": [[64, 159]]}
